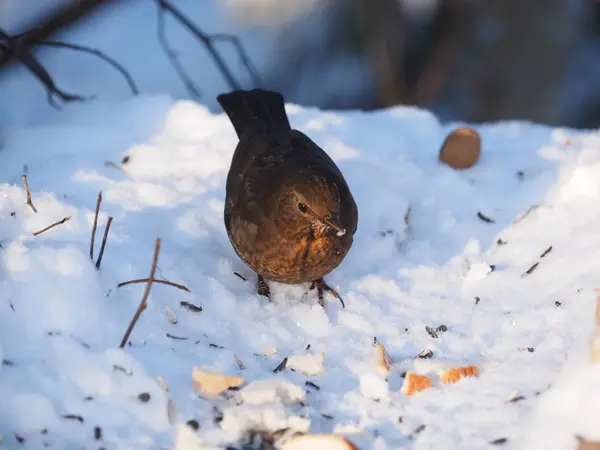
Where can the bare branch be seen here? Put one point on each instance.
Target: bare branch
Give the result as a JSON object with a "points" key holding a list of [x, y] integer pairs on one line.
{"points": [[172, 54], [145, 280], [144, 302], [208, 42], [14, 47], [99, 54], [101, 254], [67, 14], [28, 192], [60, 222], [95, 225]]}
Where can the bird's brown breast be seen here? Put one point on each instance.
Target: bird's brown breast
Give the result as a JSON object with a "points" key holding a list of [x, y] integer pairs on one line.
{"points": [[299, 258]]}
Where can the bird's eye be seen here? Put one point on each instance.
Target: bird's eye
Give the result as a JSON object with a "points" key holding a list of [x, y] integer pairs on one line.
{"points": [[302, 208]]}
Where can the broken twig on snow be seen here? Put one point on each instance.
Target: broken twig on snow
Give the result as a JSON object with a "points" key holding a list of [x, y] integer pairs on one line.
{"points": [[60, 222], [28, 192], [145, 280], [95, 225], [106, 230], [144, 301]]}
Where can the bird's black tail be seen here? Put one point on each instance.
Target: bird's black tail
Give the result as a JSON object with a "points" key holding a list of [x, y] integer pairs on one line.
{"points": [[246, 109]]}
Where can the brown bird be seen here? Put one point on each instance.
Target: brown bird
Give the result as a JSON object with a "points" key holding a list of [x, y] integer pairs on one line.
{"points": [[289, 213]]}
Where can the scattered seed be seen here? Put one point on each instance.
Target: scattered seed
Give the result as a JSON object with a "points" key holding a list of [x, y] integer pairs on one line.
{"points": [[531, 269], [557, 303], [425, 354], [7, 362], [88, 399], [418, 430], [308, 346], [239, 362], [214, 346], [327, 416], [218, 415], [97, 433], [13, 214], [545, 252], [400, 419], [44, 431], [282, 365], [374, 340], [442, 329], [76, 417], [499, 441], [193, 424], [516, 399], [171, 314], [485, 218], [477, 300], [431, 332], [190, 306], [9, 302], [501, 242], [125, 159], [144, 397], [118, 368], [20, 439], [312, 385], [529, 349], [179, 338], [493, 267], [520, 175]]}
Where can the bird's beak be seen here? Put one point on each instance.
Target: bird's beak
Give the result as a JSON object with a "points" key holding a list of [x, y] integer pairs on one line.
{"points": [[335, 223]]}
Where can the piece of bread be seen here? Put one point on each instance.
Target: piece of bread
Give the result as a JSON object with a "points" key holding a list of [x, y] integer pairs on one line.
{"points": [[210, 383], [455, 374], [312, 441], [413, 382], [382, 360]]}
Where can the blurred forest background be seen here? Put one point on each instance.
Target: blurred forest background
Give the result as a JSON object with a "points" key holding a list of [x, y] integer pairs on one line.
{"points": [[465, 60]]}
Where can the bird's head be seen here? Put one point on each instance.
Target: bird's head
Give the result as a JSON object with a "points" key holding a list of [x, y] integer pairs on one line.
{"points": [[310, 201]]}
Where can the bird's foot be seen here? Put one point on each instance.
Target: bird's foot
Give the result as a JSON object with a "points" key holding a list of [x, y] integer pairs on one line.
{"points": [[263, 288], [321, 288]]}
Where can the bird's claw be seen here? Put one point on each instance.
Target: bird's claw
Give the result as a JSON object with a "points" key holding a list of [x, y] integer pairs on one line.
{"points": [[263, 288], [321, 288]]}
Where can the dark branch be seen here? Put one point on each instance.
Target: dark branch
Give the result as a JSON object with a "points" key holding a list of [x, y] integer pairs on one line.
{"points": [[99, 54], [17, 49], [52, 23], [172, 55], [208, 42]]}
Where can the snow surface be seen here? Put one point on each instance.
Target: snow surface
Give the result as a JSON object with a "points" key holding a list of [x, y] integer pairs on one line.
{"points": [[61, 320]]}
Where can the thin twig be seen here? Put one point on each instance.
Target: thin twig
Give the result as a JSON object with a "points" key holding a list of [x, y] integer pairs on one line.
{"points": [[145, 280], [244, 58], [99, 54], [144, 302], [60, 222], [101, 254], [172, 55], [28, 192], [95, 225], [208, 42]]}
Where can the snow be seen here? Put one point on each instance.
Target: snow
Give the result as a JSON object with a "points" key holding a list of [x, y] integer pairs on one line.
{"points": [[61, 319], [525, 327]]}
